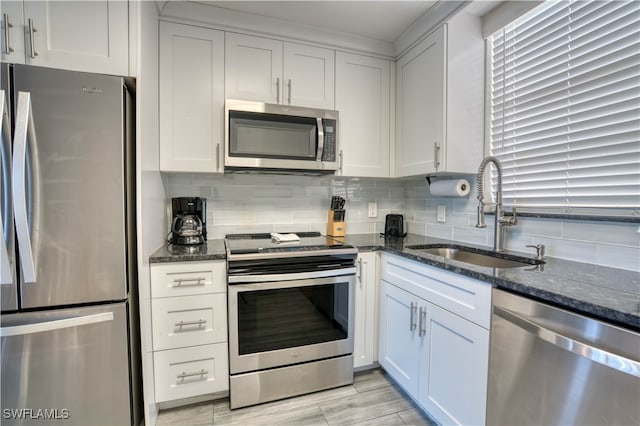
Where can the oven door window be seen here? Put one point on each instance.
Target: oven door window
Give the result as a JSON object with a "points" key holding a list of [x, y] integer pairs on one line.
{"points": [[285, 318], [272, 136]]}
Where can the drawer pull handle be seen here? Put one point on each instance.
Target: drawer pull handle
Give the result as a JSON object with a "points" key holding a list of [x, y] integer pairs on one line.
{"points": [[197, 373], [184, 323], [188, 282]]}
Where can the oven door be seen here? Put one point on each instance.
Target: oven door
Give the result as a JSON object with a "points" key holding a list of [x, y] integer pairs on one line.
{"points": [[281, 323]]}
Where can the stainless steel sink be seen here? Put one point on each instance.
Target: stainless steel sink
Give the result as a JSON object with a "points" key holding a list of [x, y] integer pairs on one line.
{"points": [[475, 258]]}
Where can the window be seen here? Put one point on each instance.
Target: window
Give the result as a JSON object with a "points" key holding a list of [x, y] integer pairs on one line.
{"points": [[564, 98]]}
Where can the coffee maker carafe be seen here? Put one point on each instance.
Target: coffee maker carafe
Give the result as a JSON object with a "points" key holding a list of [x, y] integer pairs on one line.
{"points": [[189, 220]]}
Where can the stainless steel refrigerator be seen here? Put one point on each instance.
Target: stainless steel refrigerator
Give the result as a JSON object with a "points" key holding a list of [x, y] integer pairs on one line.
{"points": [[67, 263]]}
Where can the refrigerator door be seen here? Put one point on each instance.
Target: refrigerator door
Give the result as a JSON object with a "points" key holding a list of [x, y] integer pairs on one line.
{"points": [[8, 290], [69, 186], [73, 362]]}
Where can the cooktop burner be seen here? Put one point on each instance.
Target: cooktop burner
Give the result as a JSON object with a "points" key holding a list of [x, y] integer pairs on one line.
{"points": [[239, 244]]}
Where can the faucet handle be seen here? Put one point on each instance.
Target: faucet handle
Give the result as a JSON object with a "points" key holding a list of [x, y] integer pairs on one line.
{"points": [[514, 218], [539, 250]]}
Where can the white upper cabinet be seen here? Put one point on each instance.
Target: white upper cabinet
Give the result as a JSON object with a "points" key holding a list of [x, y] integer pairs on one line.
{"points": [[253, 67], [363, 101], [191, 98], [267, 70], [90, 36], [309, 76], [12, 32], [440, 101], [420, 106]]}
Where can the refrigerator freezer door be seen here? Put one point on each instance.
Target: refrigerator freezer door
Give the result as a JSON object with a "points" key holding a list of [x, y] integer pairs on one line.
{"points": [[72, 362], [74, 181]]}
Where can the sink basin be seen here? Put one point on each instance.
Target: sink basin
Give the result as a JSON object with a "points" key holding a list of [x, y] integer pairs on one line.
{"points": [[475, 258]]}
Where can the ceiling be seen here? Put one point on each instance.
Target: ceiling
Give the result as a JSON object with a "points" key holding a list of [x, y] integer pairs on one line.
{"points": [[380, 20]]}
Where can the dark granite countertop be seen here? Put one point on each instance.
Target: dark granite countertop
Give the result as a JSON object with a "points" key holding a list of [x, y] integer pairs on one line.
{"points": [[211, 250], [601, 292], [606, 293]]}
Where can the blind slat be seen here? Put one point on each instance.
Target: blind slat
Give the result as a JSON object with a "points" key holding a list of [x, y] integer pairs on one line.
{"points": [[564, 106]]}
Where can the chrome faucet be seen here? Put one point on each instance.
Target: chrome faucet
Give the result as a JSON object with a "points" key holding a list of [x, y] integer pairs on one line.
{"points": [[500, 221]]}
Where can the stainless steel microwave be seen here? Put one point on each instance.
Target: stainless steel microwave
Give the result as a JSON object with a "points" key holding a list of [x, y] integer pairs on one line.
{"points": [[280, 138]]}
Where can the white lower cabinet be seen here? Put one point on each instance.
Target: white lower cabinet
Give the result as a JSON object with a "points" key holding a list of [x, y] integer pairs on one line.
{"points": [[365, 351], [193, 371], [439, 356], [189, 328]]}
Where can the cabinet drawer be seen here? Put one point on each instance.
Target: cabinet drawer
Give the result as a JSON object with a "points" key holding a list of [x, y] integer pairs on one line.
{"points": [[185, 279], [466, 297], [187, 372], [189, 320]]}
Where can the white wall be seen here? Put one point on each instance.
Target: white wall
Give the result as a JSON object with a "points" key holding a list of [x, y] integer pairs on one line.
{"points": [[601, 243], [265, 203], [150, 191]]}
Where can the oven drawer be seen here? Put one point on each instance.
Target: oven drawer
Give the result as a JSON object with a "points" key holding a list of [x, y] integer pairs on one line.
{"points": [[188, 278], [187, 372], [189, 320]]}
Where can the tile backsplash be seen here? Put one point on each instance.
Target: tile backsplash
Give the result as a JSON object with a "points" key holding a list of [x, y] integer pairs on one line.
{"points": [[239, 203]]}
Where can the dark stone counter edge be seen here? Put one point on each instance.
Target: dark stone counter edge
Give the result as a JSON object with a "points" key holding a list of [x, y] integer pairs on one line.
{"points": [[561, 301], [603, 313]]}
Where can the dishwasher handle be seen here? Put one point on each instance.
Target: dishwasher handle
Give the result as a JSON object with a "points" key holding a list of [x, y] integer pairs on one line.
{"points": [[601, 356]]}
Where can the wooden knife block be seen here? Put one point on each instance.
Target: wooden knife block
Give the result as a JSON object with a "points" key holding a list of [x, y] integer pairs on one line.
{"points": [[334, 228]]}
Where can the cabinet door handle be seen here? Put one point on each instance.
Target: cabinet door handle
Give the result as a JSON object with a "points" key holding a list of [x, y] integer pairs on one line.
{"points": [[436, 155], [359, 271], [7, 25], [197, 373], [185, 323], [289, 90], [180, 282], [32, 42], [423, 322], [340, 162], [412, 320], [217, 157], [278, 90]]}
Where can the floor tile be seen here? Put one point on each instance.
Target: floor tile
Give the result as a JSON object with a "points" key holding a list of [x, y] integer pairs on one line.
{"points": [[388, 420], [414, 417], [365, 406], [196, 415], [371, 379]]}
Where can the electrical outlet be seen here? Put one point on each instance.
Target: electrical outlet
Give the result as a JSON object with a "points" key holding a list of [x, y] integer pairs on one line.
{"points": [[442, 214], [373, 209]]}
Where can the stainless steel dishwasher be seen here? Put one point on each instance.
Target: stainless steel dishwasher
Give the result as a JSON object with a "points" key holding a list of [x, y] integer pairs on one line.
{"points": [[548, 366]]}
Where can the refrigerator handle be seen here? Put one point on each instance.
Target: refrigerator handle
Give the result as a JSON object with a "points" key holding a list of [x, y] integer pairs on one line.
{"points": [[39, 327], [6, 276], [24, 134]]}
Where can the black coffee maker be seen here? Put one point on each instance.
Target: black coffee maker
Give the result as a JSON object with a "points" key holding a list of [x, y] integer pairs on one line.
{"points": [[188, 220]]}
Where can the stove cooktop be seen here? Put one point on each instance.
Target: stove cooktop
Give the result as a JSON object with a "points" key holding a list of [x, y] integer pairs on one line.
{"points": [[262, 243]]}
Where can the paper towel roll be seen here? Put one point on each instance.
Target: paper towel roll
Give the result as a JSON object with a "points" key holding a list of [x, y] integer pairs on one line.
{"points": [[450, 188]]}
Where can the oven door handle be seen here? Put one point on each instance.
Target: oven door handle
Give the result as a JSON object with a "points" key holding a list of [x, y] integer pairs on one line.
{"points": [[237, 279]]}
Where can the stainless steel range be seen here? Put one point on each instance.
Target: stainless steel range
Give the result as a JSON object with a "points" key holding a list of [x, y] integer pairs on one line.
{"points": [[291, 310]]}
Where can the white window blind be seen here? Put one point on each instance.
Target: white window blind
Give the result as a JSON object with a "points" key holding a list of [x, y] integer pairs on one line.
{"points": [[565, 107]]}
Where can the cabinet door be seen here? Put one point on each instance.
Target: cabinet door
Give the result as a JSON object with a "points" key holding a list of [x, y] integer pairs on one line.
{"points": [[400, 343], [365, 336], [13, 45], [78, 35], [454, 390], [253, 68], [191, 98], [420, 106], [362, 99], [309, 76]]}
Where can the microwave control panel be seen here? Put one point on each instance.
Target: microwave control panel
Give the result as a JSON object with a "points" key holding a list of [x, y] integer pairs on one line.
{"points": [[329, 151]]}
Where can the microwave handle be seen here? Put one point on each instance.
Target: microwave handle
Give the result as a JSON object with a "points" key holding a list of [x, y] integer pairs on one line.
{"points": [[320, 139]]}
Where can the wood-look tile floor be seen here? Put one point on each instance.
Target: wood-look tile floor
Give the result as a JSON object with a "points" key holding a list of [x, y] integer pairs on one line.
{"points": [[373, 399]]}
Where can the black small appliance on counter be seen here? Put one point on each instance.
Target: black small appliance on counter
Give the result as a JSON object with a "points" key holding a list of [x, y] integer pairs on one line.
{"points": [[394, 226], [188, 220]]}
